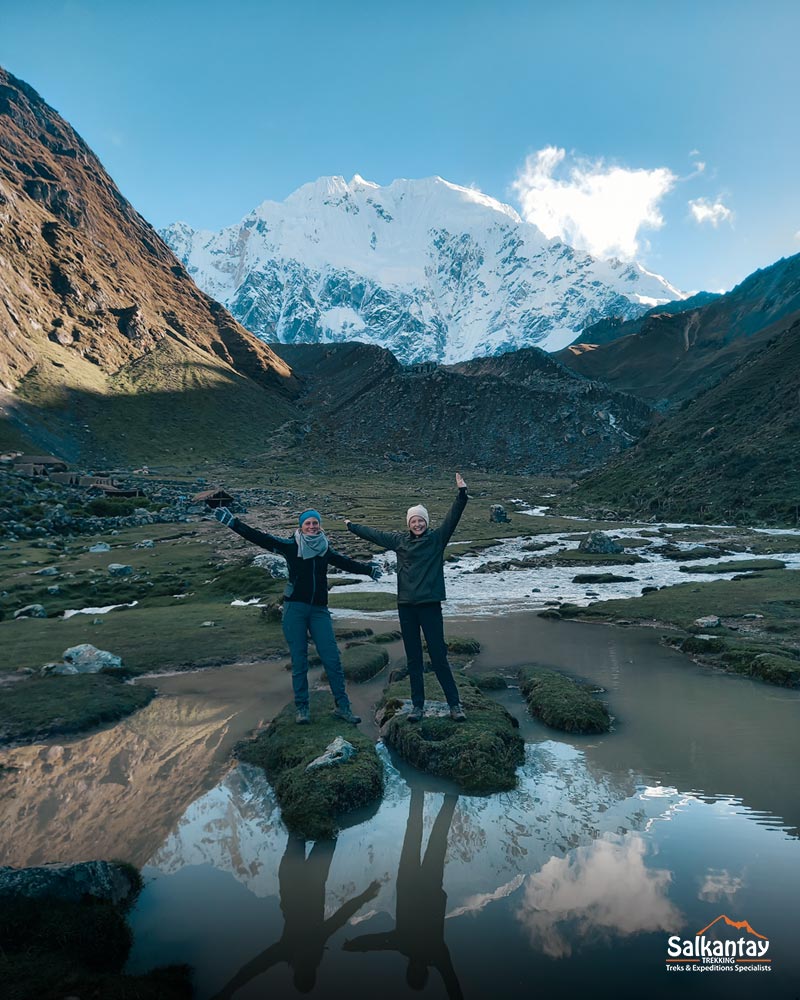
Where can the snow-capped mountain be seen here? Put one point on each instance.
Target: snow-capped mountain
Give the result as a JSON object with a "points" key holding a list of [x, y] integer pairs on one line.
{"points": [[430, 270]]}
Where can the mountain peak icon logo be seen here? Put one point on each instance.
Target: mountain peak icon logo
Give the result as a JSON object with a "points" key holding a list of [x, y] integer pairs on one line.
{"points": [[739, 925]]}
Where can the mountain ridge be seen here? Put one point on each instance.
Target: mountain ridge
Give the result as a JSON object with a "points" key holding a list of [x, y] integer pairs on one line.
{"points": [[426, 268]]}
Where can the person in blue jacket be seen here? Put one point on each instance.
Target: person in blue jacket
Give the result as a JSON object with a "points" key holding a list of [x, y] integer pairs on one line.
{"points": [[420, 592], [305, 602]]}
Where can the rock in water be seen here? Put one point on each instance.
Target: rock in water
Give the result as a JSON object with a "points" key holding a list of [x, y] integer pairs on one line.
{"points": [[107, 880], [598, 542]]}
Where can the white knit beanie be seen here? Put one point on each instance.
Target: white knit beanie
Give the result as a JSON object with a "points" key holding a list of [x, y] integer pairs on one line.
{"points": [[418, 511]]}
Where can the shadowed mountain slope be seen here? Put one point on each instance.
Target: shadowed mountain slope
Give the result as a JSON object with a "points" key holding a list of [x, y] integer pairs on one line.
{"points": [[666, 358], [732, 454], [521, 412], [94, 306]]}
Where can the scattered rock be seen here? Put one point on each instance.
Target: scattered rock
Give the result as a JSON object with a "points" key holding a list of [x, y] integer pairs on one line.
{"points": [[120, 569], [707, 621], [146, 543], [498, 514], [275, 566], [100, 547], [31, 611], [107, 880], [83, 659], [602, 578], [598, 542], [47, 571]]}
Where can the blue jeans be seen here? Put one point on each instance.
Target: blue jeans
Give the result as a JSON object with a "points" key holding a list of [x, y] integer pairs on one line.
{"points": [[428, 618], [298, 621]]}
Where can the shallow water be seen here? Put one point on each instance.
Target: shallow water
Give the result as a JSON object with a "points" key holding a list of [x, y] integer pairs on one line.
{"points": [[689, 809]]}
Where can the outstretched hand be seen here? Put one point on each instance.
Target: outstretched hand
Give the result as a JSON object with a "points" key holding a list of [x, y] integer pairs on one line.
{"points": [[347, 522], [224, 516], [375, 572], [460, 481]]}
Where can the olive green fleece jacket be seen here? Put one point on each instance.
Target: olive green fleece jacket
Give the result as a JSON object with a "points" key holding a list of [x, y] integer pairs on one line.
{"points": [[420, 559]]}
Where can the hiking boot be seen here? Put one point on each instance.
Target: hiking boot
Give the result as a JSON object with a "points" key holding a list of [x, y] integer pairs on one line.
{"points": [[303, 716], [345, 713], [415, 715], [457, 713]]}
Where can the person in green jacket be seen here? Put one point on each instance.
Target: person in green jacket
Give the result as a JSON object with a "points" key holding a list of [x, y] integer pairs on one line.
{"points": [[420, 592]]}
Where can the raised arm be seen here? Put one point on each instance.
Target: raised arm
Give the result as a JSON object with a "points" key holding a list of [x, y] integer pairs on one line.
{"points": [[260, 538], [386, 539], [453, 516], [344, 562]]}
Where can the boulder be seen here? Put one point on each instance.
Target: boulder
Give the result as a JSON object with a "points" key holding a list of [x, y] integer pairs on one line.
{"points": [[84, 659], [599, 543], [497, 514], [275, 566], [31, 611], [707, 621], [107, 880], [120, 569], [100, 547], [146, 543]]}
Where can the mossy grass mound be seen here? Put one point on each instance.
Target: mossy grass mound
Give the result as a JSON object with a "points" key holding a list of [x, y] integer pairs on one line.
{"points": [[561, 702], [314, 802], [363, 661], [776, 669], [481, 754], [363, 601], [39, 707], [52, 948], [736, 566], [463, 646], [385, 637], [490, 682]]}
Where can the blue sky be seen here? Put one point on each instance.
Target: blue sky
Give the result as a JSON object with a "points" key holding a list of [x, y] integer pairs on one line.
{"points": [[665, 131]]}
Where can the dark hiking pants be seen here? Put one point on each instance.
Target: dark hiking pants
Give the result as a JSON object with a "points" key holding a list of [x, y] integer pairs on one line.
{"points": [[427, 619]]}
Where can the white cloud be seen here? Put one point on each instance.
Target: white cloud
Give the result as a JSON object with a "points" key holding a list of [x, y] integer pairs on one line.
{"points": [[719, 883], [712, 212], [592, 206], [797, 235], [603, 889]]}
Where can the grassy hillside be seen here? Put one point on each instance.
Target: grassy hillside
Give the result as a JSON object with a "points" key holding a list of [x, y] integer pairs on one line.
{"points": [[731, 455]]}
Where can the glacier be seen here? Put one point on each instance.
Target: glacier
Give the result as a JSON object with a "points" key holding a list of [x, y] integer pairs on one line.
{"points": [[430, 270]]}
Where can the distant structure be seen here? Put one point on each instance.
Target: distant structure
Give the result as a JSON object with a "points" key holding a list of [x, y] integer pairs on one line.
{"points": [[37, 465], [213, 498]]}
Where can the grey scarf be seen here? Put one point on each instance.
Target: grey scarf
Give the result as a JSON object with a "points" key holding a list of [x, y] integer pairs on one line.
{"points": [[310, 546]]}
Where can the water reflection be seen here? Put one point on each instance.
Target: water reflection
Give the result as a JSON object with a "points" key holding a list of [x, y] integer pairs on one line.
{"points": [[421, 902], [605, 887], [463, 896], [306, 930]]}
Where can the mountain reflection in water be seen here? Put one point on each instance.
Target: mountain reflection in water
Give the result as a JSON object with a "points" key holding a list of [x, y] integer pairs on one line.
{"points": [[574, 878]]}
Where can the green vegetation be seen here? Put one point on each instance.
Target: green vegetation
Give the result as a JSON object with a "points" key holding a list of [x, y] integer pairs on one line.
{"points": [[39, 707], [363, 601], [736, 566], [314, 802], [481, 754], [461, 645], [563, 703], [759, 630], [490, 682], [361, 662]]}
